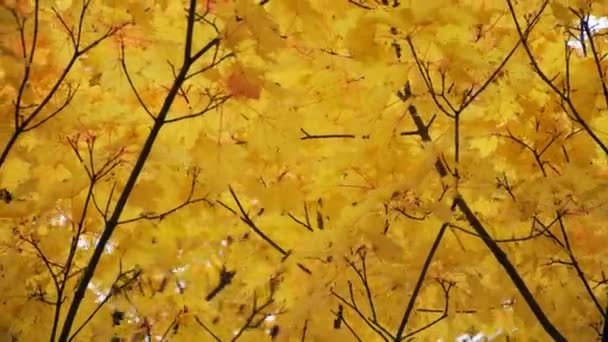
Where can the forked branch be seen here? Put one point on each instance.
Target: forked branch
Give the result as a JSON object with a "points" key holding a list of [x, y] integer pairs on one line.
{"points": [[24, 122], [564, 96], [120, 205], [481, 231], [425, 267]]}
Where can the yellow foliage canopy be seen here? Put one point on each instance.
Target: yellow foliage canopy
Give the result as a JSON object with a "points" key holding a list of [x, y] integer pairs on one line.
{"points": [[303, 170]]}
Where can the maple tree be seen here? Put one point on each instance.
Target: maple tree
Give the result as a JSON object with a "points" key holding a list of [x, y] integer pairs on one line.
{"points": [[303, 170]]}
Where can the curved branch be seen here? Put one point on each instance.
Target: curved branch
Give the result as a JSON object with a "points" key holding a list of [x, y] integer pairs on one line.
{"points": [[564, 97]]}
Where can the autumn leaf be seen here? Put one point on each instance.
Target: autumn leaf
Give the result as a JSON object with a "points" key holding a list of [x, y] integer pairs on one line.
{"points": [[304, 170], [244, 83]]}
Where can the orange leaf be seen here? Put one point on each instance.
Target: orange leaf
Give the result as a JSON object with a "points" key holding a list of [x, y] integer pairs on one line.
{"points": [[244, 83]]}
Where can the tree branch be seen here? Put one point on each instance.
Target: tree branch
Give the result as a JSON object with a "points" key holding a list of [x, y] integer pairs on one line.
{"points": [[564, 97], [113, 221], [421, 276], [472, 219]]}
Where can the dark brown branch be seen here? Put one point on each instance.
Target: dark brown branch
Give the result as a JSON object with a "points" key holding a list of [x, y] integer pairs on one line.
{"points": [[89, 166], [203, 50], [304, 329], [70, 96], [214, 102], [584, 19], [245, 218], [425, 74], [320, 221], [122, 281], [104, 211], [380, 331], [308, 136], [123, 63], [47, 262], [498, 253], [564, 97], [255, 311], [574, 263], [468, 95], [30, 58], [304, 224], [341, 319], [24, 123], [444, 313], [504, 261], [418, 286], [69, 263], [426, 137], [225, 280], [173, 325], [112, 223], [215, 61], [227, 207], [363, 276], [535, 153], [188, 201], [360, 5], [410, 216], [198, 320], [534, 233]]}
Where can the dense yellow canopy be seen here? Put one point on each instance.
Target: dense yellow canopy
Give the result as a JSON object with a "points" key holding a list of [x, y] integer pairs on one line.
{"points": [[303, 170]]}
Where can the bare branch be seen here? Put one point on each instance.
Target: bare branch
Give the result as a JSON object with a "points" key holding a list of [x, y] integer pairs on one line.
{"points": [[123, 62], [444, 314], [340, 319], [564, 96], [359, 3], [250, 322], [414, 296], [304, 224], [214, 102], [70, 96], [245, 218], [198, 320], [146, 149], [189, 200], [381, 332], [23, 123], [123, 280], [574, 263], [308, 136], [225, 280], [504, 261], [498, 253], [173, 325]]}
